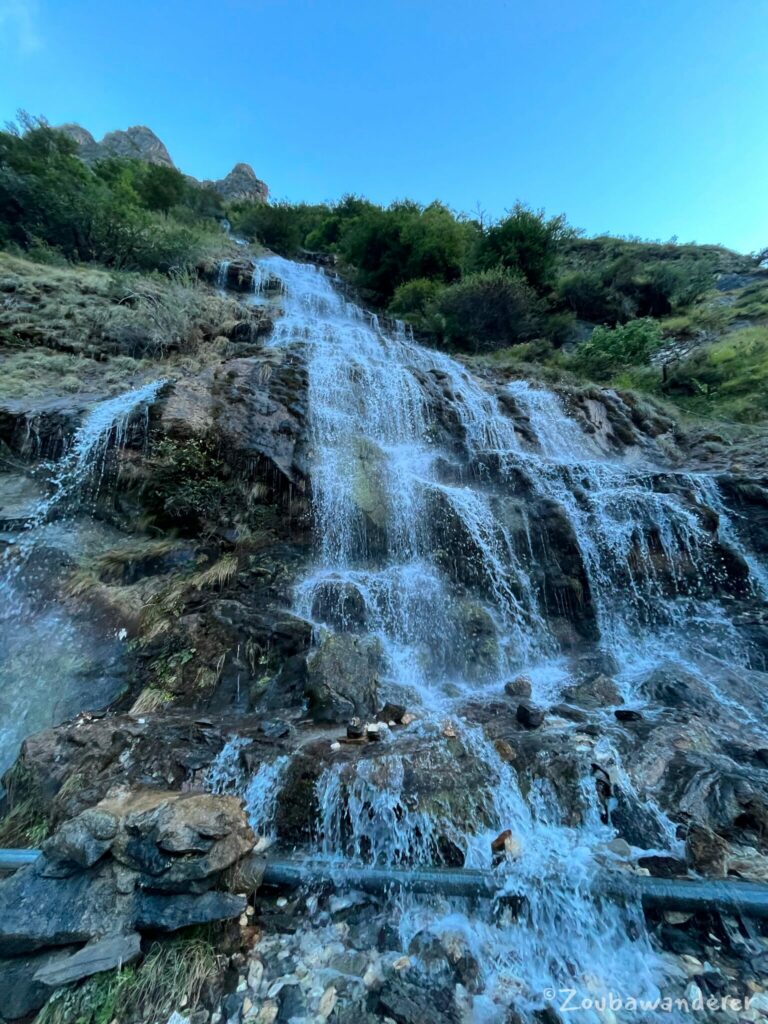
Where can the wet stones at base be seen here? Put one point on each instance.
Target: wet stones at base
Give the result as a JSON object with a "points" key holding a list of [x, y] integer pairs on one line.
{"points": [[530, 715]]}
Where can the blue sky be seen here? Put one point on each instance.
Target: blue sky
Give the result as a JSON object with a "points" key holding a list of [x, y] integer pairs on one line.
{"points": [[645, 118]]}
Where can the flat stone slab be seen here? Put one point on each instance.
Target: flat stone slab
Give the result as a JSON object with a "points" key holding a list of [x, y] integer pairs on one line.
{"points": [[103, 955]]}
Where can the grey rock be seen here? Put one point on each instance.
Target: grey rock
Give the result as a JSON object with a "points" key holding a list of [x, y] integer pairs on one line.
{"points": [[136, 143], [408, 1002], [20, 992], [529, 715], [240, 183], [84, 839], [102, 955], [598, 692], [37, 910], [168, 913]]}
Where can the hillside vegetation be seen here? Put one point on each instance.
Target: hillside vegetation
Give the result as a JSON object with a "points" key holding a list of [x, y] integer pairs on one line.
{"points": [[686, 323]]}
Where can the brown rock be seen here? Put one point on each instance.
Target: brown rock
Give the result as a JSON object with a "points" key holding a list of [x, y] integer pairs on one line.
{"points": [[505, 751], [520, 686], [706, 852]]}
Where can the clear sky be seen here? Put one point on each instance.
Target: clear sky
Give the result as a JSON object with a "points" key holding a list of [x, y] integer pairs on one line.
{"points": [[634, 117]]}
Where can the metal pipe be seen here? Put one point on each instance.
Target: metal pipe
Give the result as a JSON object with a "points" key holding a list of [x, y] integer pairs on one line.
{"points": [[11, 860], [730, 896]]}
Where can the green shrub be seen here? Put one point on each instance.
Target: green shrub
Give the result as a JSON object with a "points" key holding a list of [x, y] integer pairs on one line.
{"points": [[488, 310], [190, 483], [590, 297], [525, 242], [416, 302], [119, 213], [610, 350]]}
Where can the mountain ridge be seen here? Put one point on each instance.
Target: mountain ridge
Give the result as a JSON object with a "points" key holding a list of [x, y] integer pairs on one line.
{"points": [[139, 142]]}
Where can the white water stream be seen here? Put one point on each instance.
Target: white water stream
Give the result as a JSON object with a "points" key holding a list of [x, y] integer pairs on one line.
{"points": [[47, 659], [418, 523]]}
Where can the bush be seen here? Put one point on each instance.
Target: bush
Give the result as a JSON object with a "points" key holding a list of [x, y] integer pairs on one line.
{"points": [[487, 311], [120, 214], [282, 227], [527, 243], [416, 302], [610, 350], [591, 298]]}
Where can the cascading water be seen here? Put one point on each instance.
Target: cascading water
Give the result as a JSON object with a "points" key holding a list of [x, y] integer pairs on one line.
{"points": [[46, 667], [258, 792], [421, 488], [222, 272]]}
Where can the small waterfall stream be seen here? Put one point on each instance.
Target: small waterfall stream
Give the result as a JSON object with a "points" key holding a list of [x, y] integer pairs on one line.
{"points": [[422, 489], [47, 658]]}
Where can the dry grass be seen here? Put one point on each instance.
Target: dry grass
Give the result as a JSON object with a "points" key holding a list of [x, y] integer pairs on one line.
{"points": [[151, 699], [161, 613], [172, 975]]}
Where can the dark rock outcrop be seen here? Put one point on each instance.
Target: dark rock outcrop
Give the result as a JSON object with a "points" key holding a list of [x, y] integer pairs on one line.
{"points": [[342, 678]]}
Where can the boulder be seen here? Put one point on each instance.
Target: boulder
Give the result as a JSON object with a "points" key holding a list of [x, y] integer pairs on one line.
{"points": [[342, 678], [21, 993], [158, 844], [520, 686], [396, 713], [81, 841], [414, 1002], [39, 908], [178, 839], [598, 692], [627, 715], [339, 604]]}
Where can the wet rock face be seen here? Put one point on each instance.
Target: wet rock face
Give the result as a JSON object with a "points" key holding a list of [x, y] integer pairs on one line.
{"points": [[255, 405], [340, 605], [342, 678], [94, 755]]}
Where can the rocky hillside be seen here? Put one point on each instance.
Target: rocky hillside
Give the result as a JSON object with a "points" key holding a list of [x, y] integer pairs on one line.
{"points": [[141, 143], [187, 552]]}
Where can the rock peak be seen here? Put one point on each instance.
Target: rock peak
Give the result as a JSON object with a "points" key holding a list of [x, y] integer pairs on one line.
{"points": [[140, 143], [241, 183]]}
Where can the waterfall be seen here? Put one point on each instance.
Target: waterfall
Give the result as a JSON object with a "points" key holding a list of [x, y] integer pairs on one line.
{"points": [[432, 505], [389, 496], [222, 274], [259, 791], [47, 657]]}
